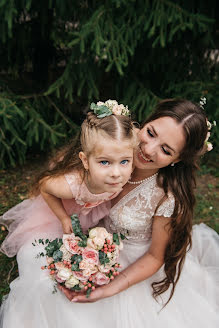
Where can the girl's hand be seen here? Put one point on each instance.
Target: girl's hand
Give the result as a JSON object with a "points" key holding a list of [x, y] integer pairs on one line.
{"points": [[96, 295], [67, 226]]}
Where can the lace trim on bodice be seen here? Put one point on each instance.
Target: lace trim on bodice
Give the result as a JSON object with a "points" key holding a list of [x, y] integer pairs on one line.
{"points": [[133, 214]]}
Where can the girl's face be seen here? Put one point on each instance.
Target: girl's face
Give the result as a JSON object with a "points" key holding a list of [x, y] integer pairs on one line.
{"points": [[109, 165], [161, 142]]}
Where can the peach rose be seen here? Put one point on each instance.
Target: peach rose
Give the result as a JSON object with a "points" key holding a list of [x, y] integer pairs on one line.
{"points": [[59, 265], [90, 255], [79, 276], [87, 268], [71, 243], [101, 279]]}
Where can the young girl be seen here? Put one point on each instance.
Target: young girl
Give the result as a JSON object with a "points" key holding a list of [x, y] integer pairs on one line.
{"points": [[82, 178]]}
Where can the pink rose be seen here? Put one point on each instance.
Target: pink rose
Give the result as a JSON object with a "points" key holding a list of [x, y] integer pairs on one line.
{"points": [[101, 279], [59, 279], [59, 265], [90, 255], [71, 243], [79, 276]]}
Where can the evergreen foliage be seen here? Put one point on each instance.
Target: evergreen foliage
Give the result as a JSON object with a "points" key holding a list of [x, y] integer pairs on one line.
{"points": [[58, 56]]}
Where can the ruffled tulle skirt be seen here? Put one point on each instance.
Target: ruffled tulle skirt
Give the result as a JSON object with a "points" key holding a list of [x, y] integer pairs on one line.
{"points": [[195, 303]]}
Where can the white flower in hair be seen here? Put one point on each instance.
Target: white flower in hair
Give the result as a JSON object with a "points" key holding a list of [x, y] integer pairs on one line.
{"points": [[110, 107]]}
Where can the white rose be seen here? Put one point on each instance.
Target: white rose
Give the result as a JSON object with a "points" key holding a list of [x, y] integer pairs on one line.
{"points": [[98, 232], [71, 282], [100, 103], [64, 274], [111, 103], [104, 268]]}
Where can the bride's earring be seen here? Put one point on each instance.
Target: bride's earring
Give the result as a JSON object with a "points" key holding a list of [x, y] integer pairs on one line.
{"points": [[172, 164]]}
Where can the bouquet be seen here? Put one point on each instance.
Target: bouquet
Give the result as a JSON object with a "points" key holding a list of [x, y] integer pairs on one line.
{"points": [[82, 262]]}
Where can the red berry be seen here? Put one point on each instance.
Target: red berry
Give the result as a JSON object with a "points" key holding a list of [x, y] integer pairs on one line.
{"points": [[105, 245], [112, 269], [105, 252], [90, 279], [108, 241], [113, 246], [89, 285], [42, 267], [85, 288], [93, 288], [84, 283], [111, 277]]}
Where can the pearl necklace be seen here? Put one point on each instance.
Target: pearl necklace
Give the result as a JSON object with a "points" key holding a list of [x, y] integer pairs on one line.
{"points": [[138, 182]]}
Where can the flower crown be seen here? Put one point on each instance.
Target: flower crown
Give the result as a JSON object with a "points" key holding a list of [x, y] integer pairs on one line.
{"points": [[209, 125], [109, 107]]}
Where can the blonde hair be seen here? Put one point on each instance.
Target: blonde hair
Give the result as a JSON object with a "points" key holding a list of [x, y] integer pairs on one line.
{"points": [[116, 127]]}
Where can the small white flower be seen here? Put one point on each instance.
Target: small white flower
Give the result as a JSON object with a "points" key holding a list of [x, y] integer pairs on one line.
{"points": [[211, 208], [214, 123], [111, 103], [209, 125], [209, 146], [100, 103]]}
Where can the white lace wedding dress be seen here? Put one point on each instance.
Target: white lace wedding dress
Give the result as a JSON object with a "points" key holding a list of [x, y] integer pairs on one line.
{"points": [[195, 303]]}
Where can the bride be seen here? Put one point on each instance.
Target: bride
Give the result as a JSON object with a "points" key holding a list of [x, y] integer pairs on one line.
{"points": [[161, 284]]}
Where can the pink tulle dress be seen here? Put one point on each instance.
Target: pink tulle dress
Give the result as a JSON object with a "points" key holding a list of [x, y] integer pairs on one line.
{"points": [[33, 218]]}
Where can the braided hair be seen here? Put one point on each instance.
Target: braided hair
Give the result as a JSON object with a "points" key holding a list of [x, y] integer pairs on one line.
{"points": [[115, 127]]}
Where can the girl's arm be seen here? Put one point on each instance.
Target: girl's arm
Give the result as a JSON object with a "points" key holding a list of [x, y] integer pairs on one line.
{"points": [[52, 190], [143, 268]]}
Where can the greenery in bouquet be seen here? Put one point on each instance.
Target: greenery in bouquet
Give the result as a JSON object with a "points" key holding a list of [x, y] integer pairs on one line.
{"points": [[82, 262]]}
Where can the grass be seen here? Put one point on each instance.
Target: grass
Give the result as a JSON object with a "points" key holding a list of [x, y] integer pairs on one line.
{"points": [[14, 185]]}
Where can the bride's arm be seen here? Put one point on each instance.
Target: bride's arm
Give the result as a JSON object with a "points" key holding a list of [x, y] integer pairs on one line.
{"points": [[143, 268]]}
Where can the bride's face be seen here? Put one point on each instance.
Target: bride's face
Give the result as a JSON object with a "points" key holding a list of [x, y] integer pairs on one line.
{"points": [[161, 142]]}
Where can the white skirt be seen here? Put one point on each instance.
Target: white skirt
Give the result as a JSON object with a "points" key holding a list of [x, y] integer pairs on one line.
{"points": [[195, 303]]}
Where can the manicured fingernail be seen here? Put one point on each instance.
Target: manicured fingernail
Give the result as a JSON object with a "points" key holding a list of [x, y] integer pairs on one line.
{"points": [[74, 300]]}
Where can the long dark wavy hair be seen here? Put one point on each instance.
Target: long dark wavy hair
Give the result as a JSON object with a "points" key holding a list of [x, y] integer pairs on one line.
{"points": [[114, 127], [180, 181]]}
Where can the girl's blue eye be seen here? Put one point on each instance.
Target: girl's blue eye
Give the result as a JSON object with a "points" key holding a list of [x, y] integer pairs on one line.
{"points": [[125, 161], [104, 163], [150, 133]]}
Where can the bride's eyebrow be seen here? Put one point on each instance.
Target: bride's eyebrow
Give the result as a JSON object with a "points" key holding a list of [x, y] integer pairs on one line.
{"points": [[155, 133]]}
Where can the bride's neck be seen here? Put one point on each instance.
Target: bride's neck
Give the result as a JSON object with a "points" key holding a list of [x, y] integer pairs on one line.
{"points": [[139, 174]]}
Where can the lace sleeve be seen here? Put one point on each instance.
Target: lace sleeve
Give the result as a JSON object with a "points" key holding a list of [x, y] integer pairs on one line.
{"points": [[167, 207]]}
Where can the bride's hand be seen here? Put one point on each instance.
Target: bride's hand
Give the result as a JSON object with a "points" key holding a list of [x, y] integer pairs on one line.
{"points": [[77, 297]]}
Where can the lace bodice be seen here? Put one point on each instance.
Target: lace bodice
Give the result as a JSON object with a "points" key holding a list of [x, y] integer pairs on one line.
{"points": [[133, 214]]}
